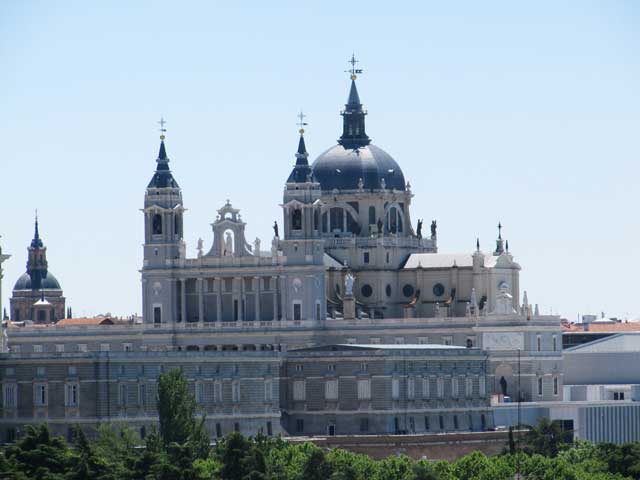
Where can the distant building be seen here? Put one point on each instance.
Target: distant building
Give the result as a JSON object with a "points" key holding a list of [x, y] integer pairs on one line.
{"points": [[37, 295]]}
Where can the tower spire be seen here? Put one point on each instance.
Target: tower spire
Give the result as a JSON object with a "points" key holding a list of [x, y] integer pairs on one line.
{"points": [[353, 132], [499, 241], [36, 242], [301, 172], [162, 177]]}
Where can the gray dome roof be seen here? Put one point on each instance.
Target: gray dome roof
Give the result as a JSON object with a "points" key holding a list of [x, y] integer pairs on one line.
{"points": [[48, 283], [342, 168]]}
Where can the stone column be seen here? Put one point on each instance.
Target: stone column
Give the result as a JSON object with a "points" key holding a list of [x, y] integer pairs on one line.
{"points": [[283, 297], [274, 280], [199, 287], [240, 292], [218, 281], [183, 299], [256, 290]]}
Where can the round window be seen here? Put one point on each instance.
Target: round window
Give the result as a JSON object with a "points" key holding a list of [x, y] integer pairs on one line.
{"points": [[388, 290], [407, 290], [438, 289], [366, 290]]}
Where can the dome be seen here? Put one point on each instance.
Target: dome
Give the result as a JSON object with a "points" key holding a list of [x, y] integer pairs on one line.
{"points": [[48, 283], [343, 168]]}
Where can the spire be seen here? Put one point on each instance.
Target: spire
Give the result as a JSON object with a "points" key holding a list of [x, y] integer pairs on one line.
{"points": [[353, 131], [477, 244], [301, 172], [162, 177], [499, 241], [36, 242]]}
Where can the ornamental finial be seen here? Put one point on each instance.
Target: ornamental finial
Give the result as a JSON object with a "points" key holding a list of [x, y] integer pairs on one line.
{"points": [[353, 70], [301, 123], [162, 130]]}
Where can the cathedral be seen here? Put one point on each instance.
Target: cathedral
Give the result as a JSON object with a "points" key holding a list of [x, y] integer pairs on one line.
{"points": [[349, 321]]}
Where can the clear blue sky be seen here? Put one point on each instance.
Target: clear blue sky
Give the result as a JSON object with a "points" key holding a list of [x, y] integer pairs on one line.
{"points": [[496, 111]]}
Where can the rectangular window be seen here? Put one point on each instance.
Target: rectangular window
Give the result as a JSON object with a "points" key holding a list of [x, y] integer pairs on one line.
{"points": [[122, 394], [318, 311], [127, 347], [218, 430], [269, 429], [455, 422], [299, 390], [374, 341], [427, 426], [469, 387], [157, 315], [351, 341], [72, 394], [59, 348], [411, 388], [423, 340], [539, 343], [399, 340], [395, 388], [10, 395], [199, 392], [365, 258], [454, 387], [37, 349], [540, 386], [447, 340], [40, 394], [440, 387], [425, 387], [331, 390], [299, 425], [412, 424], [268, 391], [72, 370], [555, 385], [482, 386], [217, 392], [142, 394], [441, 421], [297, 311], [41, 371], [235, 391], [364, 425], [364, 389], [554, 342]]}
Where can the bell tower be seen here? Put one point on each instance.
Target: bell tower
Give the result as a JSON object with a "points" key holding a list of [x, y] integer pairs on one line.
{"points": [[163, 240], [301, 200]]}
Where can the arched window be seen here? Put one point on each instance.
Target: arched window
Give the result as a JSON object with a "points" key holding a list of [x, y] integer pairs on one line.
{"points": [[372, 215], [296, 219], [156, 224], [316, 219], [336, 219], [393, 224], [176, 225]]}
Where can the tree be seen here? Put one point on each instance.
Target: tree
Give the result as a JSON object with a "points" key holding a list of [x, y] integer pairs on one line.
{"points": [[88, 465], [40, 455], [176, 407], [316, 466], [232, 451], [546, 438]]}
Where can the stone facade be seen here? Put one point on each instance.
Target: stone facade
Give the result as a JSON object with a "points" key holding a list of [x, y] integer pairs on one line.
{"points": [[347, 267]]}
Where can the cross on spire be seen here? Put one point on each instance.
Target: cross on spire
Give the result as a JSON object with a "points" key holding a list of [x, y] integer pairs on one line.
{"points": [[353, 70], [500, 230], [301, 123], [162, 130]]}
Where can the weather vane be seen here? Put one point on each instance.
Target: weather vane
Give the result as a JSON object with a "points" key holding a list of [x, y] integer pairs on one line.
{"points": [[353, 70], [301, 123], [162, 129]]}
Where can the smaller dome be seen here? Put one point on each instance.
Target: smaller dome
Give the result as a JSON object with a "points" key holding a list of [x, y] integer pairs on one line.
{"points": [[48, 283]]}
